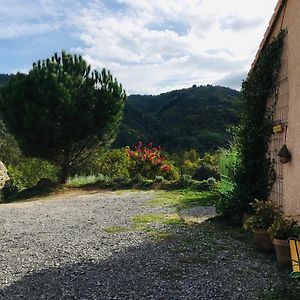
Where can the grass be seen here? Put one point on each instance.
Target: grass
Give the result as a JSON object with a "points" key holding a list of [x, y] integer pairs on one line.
{"points": [[145, 222], [167, 219], [78, 181], [147, 219], [116, 229], [179, 199], [184, 198]]}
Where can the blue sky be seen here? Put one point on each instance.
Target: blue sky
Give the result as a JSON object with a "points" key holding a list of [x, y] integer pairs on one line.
{"points": [[150, 46]]}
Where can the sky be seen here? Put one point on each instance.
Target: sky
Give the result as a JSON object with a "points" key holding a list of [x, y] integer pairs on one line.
{"points": [[150, 46]]}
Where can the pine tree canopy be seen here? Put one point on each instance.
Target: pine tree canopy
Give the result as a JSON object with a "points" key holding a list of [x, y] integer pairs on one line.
{"points": [[61, 109]]}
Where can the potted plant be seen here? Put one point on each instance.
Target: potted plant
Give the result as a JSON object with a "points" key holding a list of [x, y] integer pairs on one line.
{"points": [[265, 212], [280, 231]]}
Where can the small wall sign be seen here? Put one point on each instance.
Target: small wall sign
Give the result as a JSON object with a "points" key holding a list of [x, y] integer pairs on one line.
{"points": [[277, 128]]}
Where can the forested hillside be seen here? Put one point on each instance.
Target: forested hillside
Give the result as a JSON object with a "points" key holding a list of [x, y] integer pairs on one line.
{"points": [[3, 78], [193, 118]]}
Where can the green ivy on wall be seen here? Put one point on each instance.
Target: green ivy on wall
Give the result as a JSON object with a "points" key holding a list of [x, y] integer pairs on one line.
{"points": [[253, 174]]}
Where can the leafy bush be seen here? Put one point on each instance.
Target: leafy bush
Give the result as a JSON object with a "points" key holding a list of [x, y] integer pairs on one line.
{"points": [[9, 190], [148, 162], [159, 178], [226, 205], [189, 167], [211, 180], [113, 163], [185, 179], [120, 181], [28, 171], [9, 150], [206, 171], [282, 228], [191, 155], [79, 180], [265, 213]]}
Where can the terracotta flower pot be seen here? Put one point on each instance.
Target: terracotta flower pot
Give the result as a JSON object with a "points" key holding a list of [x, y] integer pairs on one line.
{"points": [[282, 250], [262, 240]]}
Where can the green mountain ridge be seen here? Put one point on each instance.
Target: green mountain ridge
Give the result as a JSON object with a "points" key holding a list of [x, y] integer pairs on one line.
{"points": [[192, 118]]}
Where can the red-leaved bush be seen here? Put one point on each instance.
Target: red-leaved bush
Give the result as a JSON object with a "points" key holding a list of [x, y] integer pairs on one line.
{"points": [[148, 161]]}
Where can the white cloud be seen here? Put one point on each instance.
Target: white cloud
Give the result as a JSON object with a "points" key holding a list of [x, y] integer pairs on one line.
{"points": [[220, 41], [26, 29], [18, 19], [152, 46]]}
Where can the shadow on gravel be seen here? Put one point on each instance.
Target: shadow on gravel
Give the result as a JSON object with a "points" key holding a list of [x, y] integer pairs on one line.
{"points": [[137, 273], [201, 263]]}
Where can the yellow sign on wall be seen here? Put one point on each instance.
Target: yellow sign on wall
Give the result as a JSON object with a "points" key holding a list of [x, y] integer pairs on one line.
{"points": [[277, 128]]}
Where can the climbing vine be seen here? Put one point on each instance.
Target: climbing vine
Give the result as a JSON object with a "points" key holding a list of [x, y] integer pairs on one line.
{"points": [[253, 174]]}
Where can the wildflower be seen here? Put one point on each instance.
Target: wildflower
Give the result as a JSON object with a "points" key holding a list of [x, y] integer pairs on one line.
{"points": [[138, 145], [165, 168]]}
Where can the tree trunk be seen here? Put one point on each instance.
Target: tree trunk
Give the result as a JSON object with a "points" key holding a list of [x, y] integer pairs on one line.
{"points": [[64, 173]]}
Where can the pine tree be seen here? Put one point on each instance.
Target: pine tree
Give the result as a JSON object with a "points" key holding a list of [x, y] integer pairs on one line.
{"points": [[61, 110]]}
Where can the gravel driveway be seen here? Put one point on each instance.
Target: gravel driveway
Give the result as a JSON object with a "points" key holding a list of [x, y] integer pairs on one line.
{"points": [[57, 248]]}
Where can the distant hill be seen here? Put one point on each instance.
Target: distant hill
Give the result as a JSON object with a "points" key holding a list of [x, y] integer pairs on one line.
{"points": [[192, 118]]}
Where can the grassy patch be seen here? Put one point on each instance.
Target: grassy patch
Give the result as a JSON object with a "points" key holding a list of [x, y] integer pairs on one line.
{"points": [[162, 235], [116, 229], [190, 198], [164, 198], [147, 219], [143, 222], [167, 219], [78, 181], [184, 198]]}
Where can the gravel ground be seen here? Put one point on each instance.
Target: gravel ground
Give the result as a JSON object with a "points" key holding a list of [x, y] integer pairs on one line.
{"points": [[57, 248]]}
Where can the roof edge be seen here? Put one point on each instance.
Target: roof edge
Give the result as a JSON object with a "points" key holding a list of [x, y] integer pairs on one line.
{"points": [[280, 5]]}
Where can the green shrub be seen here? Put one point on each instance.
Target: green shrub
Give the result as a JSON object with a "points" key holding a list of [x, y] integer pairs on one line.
{"points": [[185, 179], [282, 228], [226, 205], [79, 180], [148, 162], [113, 163], [159, 178], [9, 190], [189, 167], [123, 165], [206, 171], [187, 182], [265, 213], [28, 171]]}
